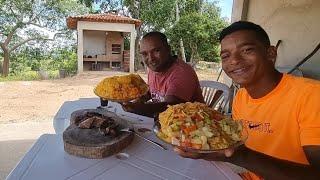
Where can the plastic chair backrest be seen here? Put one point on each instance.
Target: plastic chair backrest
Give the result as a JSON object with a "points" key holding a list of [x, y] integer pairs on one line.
{"points": [[297, 72], [216, 95]]}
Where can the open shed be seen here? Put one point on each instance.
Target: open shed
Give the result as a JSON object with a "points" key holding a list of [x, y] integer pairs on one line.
{"points": [[101, 41]]}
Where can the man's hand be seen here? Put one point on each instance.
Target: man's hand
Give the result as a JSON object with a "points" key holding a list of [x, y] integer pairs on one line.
{"points": [[143, 98], [137, 105], [133, 107], [144, 108]]}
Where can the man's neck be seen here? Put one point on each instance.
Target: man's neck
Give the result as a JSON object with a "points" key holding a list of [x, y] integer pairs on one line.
{"points": [[264, 85], [168, 64]]}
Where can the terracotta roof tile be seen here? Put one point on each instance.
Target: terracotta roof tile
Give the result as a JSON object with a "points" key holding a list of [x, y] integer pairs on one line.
{"points": [[108, 18]]}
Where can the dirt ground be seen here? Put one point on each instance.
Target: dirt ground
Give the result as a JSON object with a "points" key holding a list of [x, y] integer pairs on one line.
{"points": [[40, 100], [27, 109], [23, 101]]}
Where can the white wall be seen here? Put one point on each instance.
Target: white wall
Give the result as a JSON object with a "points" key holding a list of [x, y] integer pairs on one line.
{"points": [[296, 23], [94, 42]]}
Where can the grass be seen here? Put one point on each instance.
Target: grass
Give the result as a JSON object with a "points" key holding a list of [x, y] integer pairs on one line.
{"points": [[208, 74], [30, 76], [205, 71]]}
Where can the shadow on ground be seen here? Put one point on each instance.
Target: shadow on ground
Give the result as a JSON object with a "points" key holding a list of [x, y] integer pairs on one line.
{"points": [[10, 154]]}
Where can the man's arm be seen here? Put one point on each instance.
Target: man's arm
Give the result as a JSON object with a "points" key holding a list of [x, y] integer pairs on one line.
{"points": [[150, 108], [272, 168], [264, 165], [313, 155]]}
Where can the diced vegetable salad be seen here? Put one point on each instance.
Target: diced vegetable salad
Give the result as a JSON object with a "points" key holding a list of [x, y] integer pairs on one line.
{"points": [[195, 125]]}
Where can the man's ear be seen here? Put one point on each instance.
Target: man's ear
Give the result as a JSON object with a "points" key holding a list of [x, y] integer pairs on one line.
{"points": [[272, 54]]}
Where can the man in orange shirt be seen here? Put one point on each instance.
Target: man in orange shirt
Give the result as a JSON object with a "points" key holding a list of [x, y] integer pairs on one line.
{"points": [[282, 112]]}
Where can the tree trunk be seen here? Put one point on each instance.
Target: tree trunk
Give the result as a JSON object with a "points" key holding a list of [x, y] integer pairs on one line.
{"points": [[191, 57], [137, 48], [182, 52], [193, 60], [200, 3], [137, 58], [5, 70]]}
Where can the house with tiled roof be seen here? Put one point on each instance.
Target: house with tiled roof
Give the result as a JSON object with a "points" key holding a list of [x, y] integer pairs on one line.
{"points": [[101, 41]]}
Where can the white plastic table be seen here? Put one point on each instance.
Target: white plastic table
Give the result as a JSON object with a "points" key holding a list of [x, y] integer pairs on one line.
{"points": [[139, 161]]}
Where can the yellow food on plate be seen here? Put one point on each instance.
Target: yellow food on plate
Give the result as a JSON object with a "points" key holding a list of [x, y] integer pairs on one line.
{"points": [[196, 126], [127, 87]]}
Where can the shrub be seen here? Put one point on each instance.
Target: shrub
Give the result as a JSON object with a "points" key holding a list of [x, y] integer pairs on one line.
{"points": [[24, 76], [53, 74]]}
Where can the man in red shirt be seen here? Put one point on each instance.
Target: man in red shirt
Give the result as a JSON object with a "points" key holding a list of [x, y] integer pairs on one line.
{"points": [[170, 80]]}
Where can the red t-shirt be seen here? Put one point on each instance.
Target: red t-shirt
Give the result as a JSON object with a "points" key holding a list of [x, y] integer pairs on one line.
{"points": [[180, 80]]}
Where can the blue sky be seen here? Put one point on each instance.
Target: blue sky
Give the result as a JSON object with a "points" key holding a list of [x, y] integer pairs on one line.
{"points": [[226, 8]]}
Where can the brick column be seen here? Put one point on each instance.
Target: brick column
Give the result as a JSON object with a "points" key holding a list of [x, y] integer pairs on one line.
{"points": [[126, 60]]}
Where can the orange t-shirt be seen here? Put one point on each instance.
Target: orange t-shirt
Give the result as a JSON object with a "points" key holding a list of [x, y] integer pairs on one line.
{"points": [[284, 120]]}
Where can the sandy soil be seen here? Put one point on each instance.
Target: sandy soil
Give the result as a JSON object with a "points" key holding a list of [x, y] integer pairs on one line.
{"points": [[22, 101], [39, 100], [27, 109]]}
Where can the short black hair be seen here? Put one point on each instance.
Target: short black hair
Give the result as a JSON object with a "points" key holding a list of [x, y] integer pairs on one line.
{"points": [[163, 38], [261, 34]]}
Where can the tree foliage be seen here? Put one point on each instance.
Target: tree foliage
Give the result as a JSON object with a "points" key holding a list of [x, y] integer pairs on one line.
{"points": [[27, 29], [33, 21], [198, 27], [103, 5], [155, 15], [158, 15], [35, 59]]}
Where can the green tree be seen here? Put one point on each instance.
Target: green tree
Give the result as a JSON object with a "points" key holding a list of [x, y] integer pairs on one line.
{"points": [[64, 58], [29, 21], [198, 27], [26, 58], [104, 5], [156, 15], [189, 24]]}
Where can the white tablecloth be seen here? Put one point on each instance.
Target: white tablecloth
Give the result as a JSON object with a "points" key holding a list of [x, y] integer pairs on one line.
{"points": [[141, 160]]}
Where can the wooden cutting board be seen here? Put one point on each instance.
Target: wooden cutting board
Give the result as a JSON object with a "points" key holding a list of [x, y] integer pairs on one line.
{"points": [[90, 143]]}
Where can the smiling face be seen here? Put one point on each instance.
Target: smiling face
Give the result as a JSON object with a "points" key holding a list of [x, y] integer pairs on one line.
{"points": [[155, 53], [245, 59]]}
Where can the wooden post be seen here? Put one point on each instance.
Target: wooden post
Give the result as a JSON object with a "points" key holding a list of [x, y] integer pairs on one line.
{"points": [[80, 50], [239, 10], [132, 41]]}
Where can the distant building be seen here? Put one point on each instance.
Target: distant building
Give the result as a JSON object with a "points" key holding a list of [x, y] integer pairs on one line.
{"points": [[101, 41]]}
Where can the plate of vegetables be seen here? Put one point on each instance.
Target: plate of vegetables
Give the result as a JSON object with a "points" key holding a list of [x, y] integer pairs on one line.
{"points": [[199, 128]]}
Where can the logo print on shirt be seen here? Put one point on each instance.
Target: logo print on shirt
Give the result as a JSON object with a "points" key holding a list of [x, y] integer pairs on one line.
{"points": [[156, 97], [251, 126], [258, 126]]}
